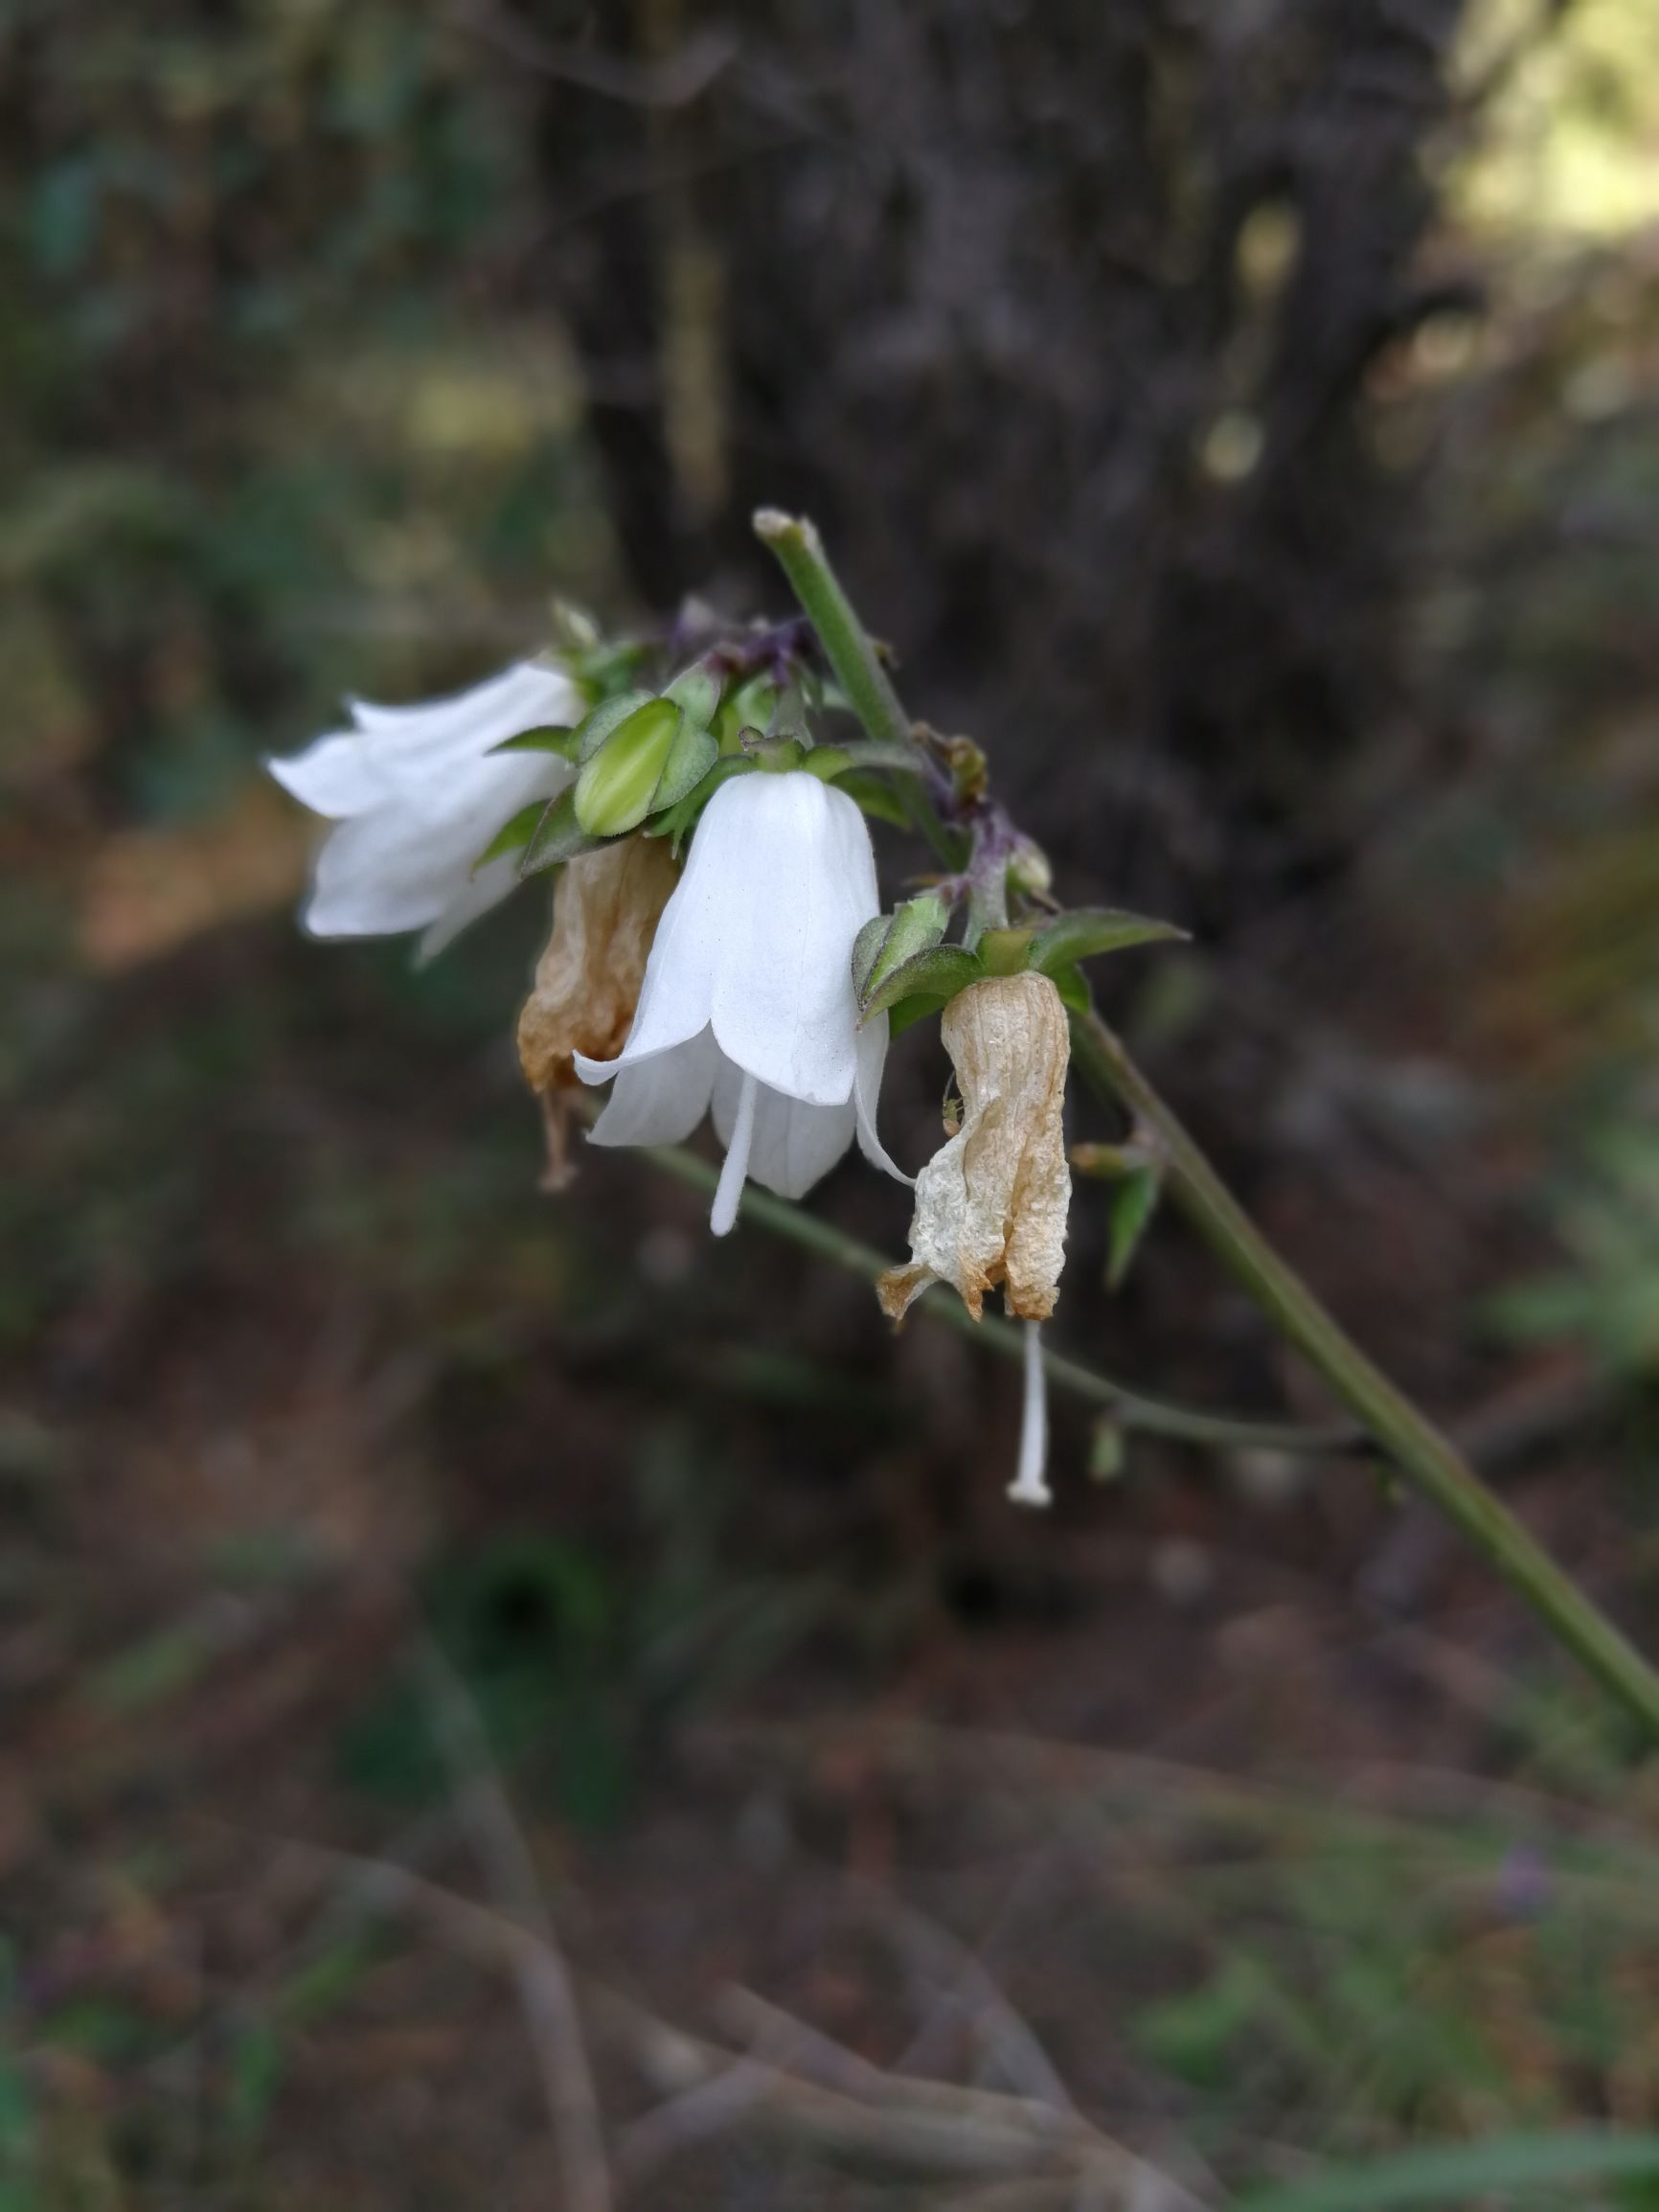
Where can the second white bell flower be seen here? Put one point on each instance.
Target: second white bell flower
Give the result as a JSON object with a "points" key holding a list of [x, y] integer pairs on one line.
{"points": [[748, 1007], [416, 794]]}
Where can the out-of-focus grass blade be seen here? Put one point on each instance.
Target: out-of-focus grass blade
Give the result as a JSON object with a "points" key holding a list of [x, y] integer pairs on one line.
{"points": [[1450, 2174]]}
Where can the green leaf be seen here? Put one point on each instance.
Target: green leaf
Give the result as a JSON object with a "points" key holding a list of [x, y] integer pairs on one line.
{"points": [[1134, 1202], [1092, 929], [691, 755], [609, 716], [1456, 2174], [563, 742], [557, 836], [512, 837], [941, 972]]}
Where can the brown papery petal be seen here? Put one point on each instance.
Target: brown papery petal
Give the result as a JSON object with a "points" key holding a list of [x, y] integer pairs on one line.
{"points": [[606, 912], [991, 1205]]}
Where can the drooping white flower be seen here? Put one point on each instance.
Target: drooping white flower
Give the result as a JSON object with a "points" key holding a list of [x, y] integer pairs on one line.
{"points": [[416, 794], [748, 1006]]}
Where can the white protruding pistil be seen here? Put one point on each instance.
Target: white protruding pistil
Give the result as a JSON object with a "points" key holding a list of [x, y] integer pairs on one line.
{"points": [[1029, 1486], [736, 1161]]}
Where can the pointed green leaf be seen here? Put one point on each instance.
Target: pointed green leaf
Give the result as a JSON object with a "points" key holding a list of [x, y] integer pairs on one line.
{"points": [[512, 837], [557, 836], [942, 973], [563, 742], [1134, 1202], [1091, 929], [691, 755], [608, 716]]}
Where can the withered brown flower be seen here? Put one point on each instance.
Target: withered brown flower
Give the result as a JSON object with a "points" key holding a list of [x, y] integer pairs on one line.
{"points": [[992, 1204], [587, 981]]}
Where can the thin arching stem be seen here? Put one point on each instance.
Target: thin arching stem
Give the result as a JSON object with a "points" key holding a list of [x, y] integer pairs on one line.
{"points": [[1128, 1408], [1423, 1456]]}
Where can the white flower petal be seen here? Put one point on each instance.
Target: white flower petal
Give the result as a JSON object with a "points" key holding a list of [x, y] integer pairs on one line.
{"points": [[412, 746], [794, 878], [865, 1089], [678, 996], [661, 1101], [399, 866], [335, 777], [794, 1144]]}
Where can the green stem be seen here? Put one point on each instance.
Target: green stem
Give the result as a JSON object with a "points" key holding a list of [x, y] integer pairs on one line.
{"points": [[1426, 1458], [1152, 1416], [845, 640]]}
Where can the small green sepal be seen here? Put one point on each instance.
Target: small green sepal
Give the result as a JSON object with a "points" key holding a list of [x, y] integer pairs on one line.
{"points": [[941, 973], [1007, 951], [557, 836], [696, 692], [918, 1007], [1073, 986], [691, 755], [678, 821], [512, 837], [888, 939]]}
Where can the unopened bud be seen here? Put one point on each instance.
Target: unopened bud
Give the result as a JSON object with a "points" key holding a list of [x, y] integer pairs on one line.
{"points": [[615, 790]]}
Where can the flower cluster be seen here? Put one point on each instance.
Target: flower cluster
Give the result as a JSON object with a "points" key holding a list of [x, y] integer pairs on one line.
{"points": [[718, 946]]}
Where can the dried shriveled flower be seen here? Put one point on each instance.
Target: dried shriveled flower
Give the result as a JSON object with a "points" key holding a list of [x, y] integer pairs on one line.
{"points": [[416, 793], [992, 1204], [606, 912]]}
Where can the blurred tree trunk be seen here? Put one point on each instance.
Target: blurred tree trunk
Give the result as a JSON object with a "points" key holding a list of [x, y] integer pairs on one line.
{"points": [[1060, 321]]}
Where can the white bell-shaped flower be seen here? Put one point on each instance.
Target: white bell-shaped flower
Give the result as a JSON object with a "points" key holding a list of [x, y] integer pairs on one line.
{"points": [[748, 1005], [416, 794]]}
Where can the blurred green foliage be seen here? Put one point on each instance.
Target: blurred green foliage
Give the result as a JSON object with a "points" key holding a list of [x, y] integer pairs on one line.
{"points": [[266, 431]]}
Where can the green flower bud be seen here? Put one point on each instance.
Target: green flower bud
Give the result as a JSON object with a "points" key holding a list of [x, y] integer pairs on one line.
{"points": [[615, 790]]}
